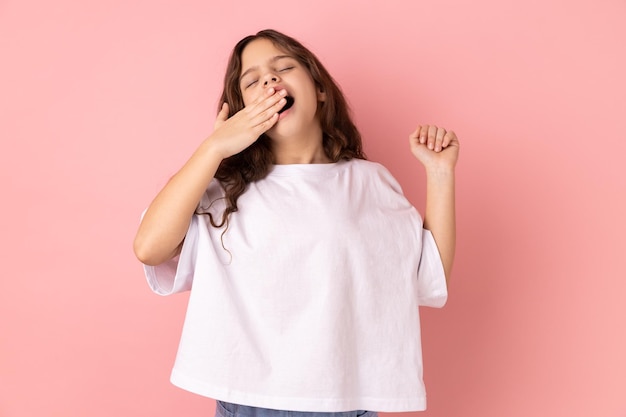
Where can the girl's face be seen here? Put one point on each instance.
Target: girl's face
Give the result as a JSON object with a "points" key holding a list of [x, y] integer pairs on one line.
{"points": [[264, 66]]}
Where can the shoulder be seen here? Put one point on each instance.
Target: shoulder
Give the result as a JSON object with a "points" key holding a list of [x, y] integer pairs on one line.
{"points": [[213, 194], [374, 171], [368, 167]]}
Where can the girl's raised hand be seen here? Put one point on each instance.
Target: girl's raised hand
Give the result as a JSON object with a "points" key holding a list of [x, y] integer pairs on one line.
{"points": [[434, 147], [232, 135]]}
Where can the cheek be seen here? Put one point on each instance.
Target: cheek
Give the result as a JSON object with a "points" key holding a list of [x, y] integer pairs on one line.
{"points": [[249, 96]]}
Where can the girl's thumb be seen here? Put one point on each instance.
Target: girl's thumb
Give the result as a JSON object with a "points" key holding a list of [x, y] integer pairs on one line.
{"points": [[223, 114]]}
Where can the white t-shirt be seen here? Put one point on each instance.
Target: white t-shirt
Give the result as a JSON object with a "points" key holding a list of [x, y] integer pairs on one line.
{"points": [[309, 301]]}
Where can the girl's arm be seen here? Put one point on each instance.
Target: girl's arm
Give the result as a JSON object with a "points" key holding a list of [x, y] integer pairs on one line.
{"points": [[166, 221], [438, 151], [163, 227]]}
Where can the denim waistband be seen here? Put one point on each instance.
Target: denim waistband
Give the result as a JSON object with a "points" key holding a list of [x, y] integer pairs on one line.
{"points": [[224, 409]]}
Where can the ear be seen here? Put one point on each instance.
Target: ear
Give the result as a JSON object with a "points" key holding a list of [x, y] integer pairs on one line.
{"points": [[321, 95]]}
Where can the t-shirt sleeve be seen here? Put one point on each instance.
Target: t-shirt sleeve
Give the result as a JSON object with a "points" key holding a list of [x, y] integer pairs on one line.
{"points": [[176, 275], [431, 278]]}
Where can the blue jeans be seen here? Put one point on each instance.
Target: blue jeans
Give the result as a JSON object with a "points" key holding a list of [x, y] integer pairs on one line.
{"points": [[224, 409]]}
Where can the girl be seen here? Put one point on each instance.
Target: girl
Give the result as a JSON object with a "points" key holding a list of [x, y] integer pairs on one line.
{"points": [[306, 263]]}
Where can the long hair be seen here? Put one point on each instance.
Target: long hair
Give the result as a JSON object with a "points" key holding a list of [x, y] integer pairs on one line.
{"points": [[341, 138]]}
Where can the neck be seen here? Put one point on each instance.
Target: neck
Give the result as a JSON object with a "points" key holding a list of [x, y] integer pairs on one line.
{"points": [[291, 154], [299, 150]]}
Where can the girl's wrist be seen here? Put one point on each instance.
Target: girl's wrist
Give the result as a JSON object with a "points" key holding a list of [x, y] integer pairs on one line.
{"points": [[440, 173], [210, 149]]}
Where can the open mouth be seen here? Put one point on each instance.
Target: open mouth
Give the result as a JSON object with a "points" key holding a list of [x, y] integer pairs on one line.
{"points": [[287, 105]]}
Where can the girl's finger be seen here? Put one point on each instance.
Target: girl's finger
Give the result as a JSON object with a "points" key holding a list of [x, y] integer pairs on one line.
{"points": [[265, 125], [258, 100], [439, 139], [270, 111], [432, 136], [448, 137], [267, 100], [415, 134], [423, 134]]}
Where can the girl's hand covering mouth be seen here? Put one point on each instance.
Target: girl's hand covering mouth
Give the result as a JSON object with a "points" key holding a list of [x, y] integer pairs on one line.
{"points": [[287, 105]]}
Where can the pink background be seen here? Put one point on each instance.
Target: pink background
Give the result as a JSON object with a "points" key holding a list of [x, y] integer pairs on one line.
{"points": [[100, 102]]}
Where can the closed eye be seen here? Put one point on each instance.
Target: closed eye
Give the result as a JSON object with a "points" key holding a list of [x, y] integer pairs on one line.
{"points": [[285, 69], [251, 83]]}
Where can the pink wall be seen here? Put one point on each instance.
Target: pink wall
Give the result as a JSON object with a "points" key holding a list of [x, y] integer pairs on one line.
{"points": [[101, 101]]}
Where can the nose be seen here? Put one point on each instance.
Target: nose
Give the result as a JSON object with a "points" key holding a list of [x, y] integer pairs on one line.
{"points": [[270, 79]]}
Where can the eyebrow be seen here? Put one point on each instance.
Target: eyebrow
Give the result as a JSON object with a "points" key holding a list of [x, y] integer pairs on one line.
{"points": [[273, 59]]}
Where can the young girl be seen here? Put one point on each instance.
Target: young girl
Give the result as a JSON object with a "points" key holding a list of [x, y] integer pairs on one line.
{"points": [[305, 262]]}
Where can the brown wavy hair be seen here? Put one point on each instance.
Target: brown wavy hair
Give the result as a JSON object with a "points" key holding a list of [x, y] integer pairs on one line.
{"points": [[341, 138]]}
